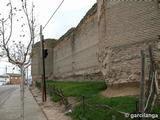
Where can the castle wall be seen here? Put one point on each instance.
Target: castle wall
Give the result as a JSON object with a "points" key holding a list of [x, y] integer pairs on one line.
{"points": [[36, 65], [107, 41], [126, 28], [75, 58]]}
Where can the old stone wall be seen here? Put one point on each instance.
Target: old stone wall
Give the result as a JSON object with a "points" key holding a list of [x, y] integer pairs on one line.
{"points": [[75, 58], [37, 60], [126, 28], [35, 66], [108, 40]]}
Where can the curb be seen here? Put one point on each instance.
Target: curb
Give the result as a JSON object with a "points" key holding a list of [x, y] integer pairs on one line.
{"points": [[38, 104]]}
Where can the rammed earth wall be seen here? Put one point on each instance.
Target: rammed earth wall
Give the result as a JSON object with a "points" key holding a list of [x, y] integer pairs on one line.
{"points": [[126, 28], [106, 44], [37, 60], [75, 58]]}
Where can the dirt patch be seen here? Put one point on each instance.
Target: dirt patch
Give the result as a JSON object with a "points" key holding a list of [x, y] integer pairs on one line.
{"points": [[125, 89], [53, 110]]}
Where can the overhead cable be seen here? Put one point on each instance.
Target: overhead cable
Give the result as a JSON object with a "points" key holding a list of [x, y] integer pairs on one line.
{"points": [[53, 14]]}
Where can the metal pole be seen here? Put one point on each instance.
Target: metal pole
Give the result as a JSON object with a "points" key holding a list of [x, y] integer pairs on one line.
{"points": [[44, 74], [42, 64], [6, 69], [43, 67]]}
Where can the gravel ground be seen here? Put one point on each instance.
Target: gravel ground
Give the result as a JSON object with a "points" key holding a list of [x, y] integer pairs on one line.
{"points": [[52, 110]]}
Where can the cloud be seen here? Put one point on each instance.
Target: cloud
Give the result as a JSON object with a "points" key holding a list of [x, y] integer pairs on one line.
{"points": [[69, 15]]}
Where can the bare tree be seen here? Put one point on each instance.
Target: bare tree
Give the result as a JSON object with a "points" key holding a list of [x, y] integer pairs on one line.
{"points": [[17, 53]]}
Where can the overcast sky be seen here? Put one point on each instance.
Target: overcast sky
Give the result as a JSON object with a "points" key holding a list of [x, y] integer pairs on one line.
{"points": [[68, 15]]}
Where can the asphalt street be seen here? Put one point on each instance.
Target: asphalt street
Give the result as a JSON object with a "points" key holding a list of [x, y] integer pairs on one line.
{"points": [[6, 91]]}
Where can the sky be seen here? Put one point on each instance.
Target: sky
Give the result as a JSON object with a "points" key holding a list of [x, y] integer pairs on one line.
{"points": [[68, 15]]}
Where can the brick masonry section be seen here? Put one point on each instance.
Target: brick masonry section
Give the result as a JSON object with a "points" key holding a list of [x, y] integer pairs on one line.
{"points": [[15, 79]]}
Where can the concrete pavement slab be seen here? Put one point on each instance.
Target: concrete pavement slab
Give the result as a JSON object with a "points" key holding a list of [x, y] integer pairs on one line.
{"points": [[10, 109]]}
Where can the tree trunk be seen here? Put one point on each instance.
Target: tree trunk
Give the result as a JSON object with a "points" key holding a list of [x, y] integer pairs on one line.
{"points": [[22, 92]]}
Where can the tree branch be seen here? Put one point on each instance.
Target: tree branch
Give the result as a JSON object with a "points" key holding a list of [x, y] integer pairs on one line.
{"points": [[11, 22], [24, 6]]}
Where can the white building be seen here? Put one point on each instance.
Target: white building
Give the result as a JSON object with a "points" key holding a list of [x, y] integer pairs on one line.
{"points": [[4, 79]]}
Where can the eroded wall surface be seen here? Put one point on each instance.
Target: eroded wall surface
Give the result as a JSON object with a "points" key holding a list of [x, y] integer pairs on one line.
{"points": [[36, 65], [75, 58], [126, 28], [108, 40]]}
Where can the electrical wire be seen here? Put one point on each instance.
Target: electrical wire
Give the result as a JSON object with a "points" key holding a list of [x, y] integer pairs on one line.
{"points": [[53, 14]]}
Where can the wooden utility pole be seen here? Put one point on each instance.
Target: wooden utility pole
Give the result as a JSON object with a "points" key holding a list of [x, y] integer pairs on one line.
{"points": [[142, 83], [44, 97]]}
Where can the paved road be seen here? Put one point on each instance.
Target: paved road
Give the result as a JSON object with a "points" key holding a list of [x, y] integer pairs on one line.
{"points": [[6, 91]]}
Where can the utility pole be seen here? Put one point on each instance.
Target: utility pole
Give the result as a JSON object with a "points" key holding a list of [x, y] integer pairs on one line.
{"points": [[6, 69], [44, 97]]}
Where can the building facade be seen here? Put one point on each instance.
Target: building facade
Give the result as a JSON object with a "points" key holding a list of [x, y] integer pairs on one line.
{"points": [[126, 28], [4, 79], [14, 78]]}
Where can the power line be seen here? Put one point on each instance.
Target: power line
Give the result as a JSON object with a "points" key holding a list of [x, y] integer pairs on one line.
{"points": [[53, 14]]}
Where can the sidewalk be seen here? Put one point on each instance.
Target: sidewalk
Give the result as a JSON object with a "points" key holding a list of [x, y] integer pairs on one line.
{"points": [[10, 109]]}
